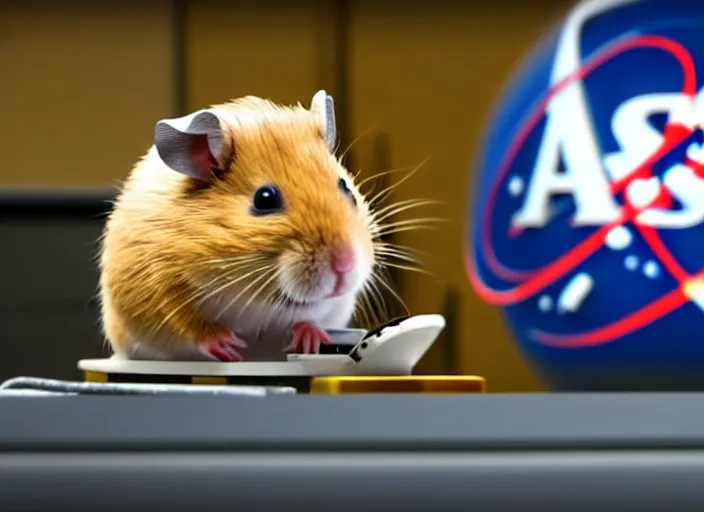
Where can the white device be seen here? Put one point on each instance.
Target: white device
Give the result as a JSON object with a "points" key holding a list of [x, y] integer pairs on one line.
{"points": [[393, 348]]}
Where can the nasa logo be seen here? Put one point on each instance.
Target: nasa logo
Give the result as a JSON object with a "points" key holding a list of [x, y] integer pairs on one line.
{"points": [[588, 223]]}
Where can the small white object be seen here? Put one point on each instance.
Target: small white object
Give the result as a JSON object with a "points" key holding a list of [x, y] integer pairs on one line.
{"points": [[694, 289], [651, 269], [393, 351], [396, 349], [695, 152], [516, 186], [631, 262], [685, 185], [575, 292], [618, 238], [642, 192], [545, 303]]}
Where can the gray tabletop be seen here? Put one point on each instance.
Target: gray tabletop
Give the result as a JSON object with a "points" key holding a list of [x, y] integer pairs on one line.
{"points": [[537, 421], [489, 452]]}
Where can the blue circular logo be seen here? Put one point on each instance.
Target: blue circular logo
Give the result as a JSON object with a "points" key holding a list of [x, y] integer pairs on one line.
{"points": [[588, 222]]}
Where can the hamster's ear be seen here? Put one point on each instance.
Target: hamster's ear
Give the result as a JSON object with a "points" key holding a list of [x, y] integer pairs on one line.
{"points": [[324, 106], [193, 145]]}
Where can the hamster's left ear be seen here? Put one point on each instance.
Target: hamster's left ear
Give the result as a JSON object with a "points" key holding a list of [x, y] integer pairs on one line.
{"points": [[324, 106], [193, 145]]}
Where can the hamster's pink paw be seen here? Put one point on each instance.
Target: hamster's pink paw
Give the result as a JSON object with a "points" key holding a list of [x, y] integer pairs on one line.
{"points": [[223, 348], [307, 338]]}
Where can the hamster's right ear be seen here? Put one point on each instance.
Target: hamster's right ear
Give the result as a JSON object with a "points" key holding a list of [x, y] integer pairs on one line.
{"points": [[323, 106], [193, 145]]}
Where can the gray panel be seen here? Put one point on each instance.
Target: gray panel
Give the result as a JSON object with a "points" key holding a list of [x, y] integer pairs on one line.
{"points": [[47, 342], [643, 481], [48, 261], [353, 422], [49, 274]]}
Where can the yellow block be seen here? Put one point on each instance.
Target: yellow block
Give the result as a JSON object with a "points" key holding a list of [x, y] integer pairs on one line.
{"points": [[95, 377], [404, 384], [212, 381]]}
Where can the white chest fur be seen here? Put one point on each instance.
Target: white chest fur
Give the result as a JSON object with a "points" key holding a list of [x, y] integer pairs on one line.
{"points": [[267, 330]]}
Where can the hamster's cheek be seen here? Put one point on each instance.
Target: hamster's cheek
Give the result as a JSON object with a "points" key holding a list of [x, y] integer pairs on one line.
{"points": [[363, 269], [364, 240], [305, 284]]}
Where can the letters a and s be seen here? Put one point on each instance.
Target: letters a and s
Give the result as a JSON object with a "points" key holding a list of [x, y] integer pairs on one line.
{"points": [[569, 133], [589, 183]]}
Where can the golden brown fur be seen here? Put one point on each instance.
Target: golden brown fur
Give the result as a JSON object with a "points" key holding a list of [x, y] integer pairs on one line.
{"points": [[169, 235]]}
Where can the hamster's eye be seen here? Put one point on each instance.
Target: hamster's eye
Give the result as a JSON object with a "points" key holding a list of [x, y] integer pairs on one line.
{"points": [[267, 199], [342, 185]]}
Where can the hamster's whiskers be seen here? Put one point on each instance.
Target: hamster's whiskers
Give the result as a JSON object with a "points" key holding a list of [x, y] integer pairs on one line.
{"points": [[227, 268], [266, 283], [407, 225], [385, 173], [371, 299], [398, 251], [388, 211], [351, 144], [229, 281], [385, 192], [232, 268], [410, 268], [365, 308], [262, 271], [285, 299], [378, 277], [386, 253], [392, 255]]}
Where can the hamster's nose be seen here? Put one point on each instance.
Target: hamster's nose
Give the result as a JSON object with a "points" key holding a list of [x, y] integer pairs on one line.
{"points": [[342, 260]]}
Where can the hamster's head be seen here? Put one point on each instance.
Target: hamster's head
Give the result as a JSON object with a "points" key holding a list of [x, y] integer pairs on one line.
{"points": [[276, 216]]}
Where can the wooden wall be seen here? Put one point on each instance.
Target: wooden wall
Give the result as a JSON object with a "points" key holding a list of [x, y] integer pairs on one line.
{"points": [[82, 83], [87, 81]]}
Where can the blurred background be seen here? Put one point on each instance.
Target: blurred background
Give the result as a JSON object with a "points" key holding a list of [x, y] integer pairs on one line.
{"points": [[84, 82]]}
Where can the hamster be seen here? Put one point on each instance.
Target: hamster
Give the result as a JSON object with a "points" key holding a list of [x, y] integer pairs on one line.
{"points": [[238, 236]]}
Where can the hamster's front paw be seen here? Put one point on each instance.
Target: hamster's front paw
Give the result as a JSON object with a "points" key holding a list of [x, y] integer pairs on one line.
{"points": [[307, 338], [223, 348]]}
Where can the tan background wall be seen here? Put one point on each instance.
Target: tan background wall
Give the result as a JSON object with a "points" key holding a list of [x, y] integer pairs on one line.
{"points": [[88, 81], [81, 87]]}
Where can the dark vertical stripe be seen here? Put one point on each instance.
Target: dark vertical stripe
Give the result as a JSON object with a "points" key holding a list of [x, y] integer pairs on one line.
{"points": [[451, 311], [383, 161], [343, 46], [178, 48]]}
